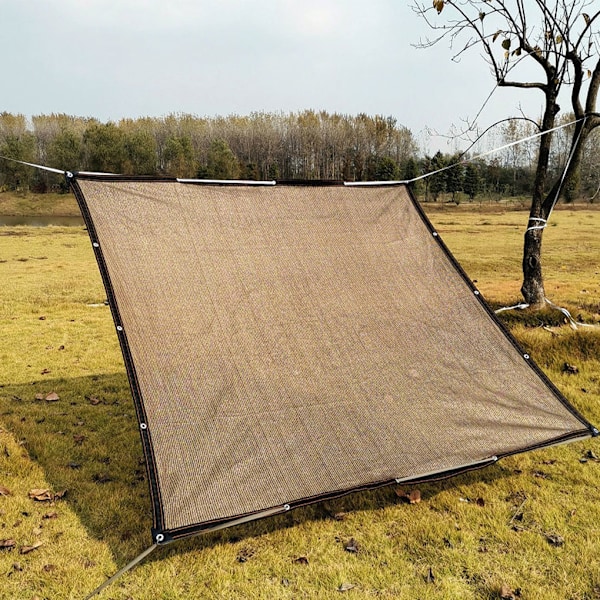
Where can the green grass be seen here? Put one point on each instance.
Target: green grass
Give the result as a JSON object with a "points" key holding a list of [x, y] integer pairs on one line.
{"points": [[30, 204], [57, 336]]}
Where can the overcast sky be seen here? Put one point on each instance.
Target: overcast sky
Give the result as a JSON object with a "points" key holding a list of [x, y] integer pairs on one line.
{"points": [[128, 58]]}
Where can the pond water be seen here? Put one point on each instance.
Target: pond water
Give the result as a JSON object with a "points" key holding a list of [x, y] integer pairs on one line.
{"points": [[40, 221]]}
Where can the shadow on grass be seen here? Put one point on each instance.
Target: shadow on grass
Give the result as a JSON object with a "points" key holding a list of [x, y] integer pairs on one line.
{"points": [[87, 443]]}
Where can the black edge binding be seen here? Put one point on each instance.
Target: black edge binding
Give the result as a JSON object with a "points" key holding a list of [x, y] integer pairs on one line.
{"points": [[158, 515]]}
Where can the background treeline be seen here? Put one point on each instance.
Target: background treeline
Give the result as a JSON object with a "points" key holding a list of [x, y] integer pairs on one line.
{"points": [[303, 145]]}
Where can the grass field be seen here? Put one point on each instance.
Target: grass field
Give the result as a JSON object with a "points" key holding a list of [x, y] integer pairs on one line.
{"points": [[526, 528], [30, 204]]}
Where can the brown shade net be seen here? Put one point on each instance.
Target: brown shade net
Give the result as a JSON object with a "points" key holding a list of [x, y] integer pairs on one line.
{"points": [[289, 343]]}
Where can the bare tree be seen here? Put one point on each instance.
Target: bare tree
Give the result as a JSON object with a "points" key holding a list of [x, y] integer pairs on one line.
{"points": [[561, 40]]}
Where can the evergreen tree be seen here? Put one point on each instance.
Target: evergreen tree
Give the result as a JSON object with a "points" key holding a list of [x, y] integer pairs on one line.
{"points": [[104, 147], [20, 147], [472, 181], [437, 182], [222, 163], [454, 177], [179, 157]]}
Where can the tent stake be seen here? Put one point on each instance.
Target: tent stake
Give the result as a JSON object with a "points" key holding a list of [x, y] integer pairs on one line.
{"points": [[120, 572]]}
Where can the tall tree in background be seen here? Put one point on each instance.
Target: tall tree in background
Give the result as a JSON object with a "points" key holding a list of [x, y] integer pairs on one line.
{"points": [[18, 143], [222, 163], [472, 181], [561, 40], [104, 147]]}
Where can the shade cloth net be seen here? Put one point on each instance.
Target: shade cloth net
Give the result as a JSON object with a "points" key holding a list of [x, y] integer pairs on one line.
{"points": [[290, 343]]}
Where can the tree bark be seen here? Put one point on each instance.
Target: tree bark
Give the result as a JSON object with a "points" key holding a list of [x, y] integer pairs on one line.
{"points": [[533, 279]]}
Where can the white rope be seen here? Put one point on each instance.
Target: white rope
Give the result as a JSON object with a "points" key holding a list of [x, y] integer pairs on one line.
{"points": [[42, 167], [573, 324], [521, 306], [504, 147]]}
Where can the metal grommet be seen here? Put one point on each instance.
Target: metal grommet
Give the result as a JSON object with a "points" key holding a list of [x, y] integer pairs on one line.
{"points": [[119, 328], [96, 244], [526, 356], [476, 292], [286, 507], [143, 426], [435, 234], [159, 538]]}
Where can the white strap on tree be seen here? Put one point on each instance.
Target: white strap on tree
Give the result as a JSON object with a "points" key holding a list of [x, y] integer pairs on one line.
{"points": [[543, 223]]}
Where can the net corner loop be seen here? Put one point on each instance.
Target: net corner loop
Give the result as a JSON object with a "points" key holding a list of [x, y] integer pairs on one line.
{"points": [[160, 537]]}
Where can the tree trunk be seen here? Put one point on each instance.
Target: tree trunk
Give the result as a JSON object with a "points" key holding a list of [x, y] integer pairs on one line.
{"points": [[533, 280]]}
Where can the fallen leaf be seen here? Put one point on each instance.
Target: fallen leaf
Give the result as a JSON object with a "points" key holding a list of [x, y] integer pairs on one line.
{"points": [[41, 495], [244, 554], [506, 593], [94, 401], [7, 544], [352, 546], [28, 549], [45, 372], [79, 439], [414, 497], [52, 397], [40, 397], [5, 491], [345, 587], [570, 369], [37, 531], [301, 560], [44, 495], [50, 515], [555, 539], [430, 578], [340, 516], [49, 568], [480, 502]]}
